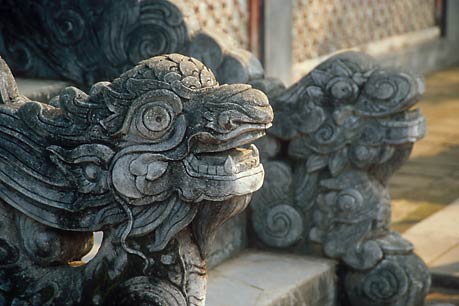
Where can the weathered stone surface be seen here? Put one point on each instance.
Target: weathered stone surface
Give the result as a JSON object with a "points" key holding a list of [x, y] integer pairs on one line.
{"points": [[230, 239], [133, 159], [258, 278], [338, 136]]}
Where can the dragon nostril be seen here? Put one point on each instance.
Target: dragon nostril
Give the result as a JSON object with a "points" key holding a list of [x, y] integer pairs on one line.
{"points": [[224, 121]]}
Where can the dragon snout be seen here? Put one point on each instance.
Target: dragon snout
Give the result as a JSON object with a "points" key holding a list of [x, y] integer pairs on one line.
{"points": [[248, 106], [258, 103]]}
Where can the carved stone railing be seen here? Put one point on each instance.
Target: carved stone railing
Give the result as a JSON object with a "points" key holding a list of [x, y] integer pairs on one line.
{"points": [[151, 159], [338, 136]]}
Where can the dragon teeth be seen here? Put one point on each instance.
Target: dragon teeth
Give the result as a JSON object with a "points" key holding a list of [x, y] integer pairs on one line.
{"points": [[221, 170], [212, 170], [255, 152], [230, 166], [194, 163], [203, 168]]}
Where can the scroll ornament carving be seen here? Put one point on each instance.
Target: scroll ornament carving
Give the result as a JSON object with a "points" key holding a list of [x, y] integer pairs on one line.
{"points": [[89, 41], [156, 160], [338, 136]]}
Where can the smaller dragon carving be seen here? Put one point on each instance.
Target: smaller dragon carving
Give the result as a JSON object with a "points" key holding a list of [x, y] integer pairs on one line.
{"points": [[156, 160], [338, 136]]}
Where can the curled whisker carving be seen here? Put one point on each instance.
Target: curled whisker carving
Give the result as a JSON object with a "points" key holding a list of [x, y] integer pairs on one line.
{"points": [[143, 290], [280, 225], [160, 29], [391, 282]]}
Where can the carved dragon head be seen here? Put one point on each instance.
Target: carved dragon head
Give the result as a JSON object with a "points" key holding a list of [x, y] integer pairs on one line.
{"points": [[349, 106], [158, 139]]}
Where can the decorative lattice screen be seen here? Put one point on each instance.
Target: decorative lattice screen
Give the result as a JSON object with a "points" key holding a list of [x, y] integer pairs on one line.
{"points": [[227, 16], [324, 26]]}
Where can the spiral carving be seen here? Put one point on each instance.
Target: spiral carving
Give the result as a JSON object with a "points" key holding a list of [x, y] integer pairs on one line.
{"points": [[20, 56], [397, 281], [159, 30], [326, 134], [278, 226], [67, 25], [143, 290], [107, 37], [342, 89], [381, 88], [349, 201], [389, 281], [9, 254]]}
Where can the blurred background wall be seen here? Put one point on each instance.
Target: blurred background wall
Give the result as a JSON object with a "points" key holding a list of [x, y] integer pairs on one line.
{"points": [[292, 36]]}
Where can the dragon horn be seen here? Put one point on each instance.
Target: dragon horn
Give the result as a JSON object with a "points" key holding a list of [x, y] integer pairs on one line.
{"points": [[8, 89]]}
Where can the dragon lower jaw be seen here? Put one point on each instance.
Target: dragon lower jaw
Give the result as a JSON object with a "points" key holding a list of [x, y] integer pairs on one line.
{"points": [[227, 165], [219, 176], [223, 175]]}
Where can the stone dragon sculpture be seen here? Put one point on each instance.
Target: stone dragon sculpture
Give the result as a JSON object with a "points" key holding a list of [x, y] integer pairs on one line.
{"points": [[156, 160], [337, 137]]}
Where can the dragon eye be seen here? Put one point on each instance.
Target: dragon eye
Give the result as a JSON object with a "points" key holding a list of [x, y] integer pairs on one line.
{"points": [[153, 116], [156, 118]]}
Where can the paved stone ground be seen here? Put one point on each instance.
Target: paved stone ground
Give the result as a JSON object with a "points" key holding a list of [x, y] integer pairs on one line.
{"points": [[429, 181]]}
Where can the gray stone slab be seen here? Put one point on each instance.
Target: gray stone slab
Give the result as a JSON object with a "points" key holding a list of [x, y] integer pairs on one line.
{"points": [[258, 278], [40, 90]]}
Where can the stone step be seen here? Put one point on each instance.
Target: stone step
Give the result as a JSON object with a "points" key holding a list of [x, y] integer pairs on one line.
{"points": [[256, 278]]}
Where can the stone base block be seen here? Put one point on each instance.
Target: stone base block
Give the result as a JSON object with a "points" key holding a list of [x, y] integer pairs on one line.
{"points": [[256, 278]]}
